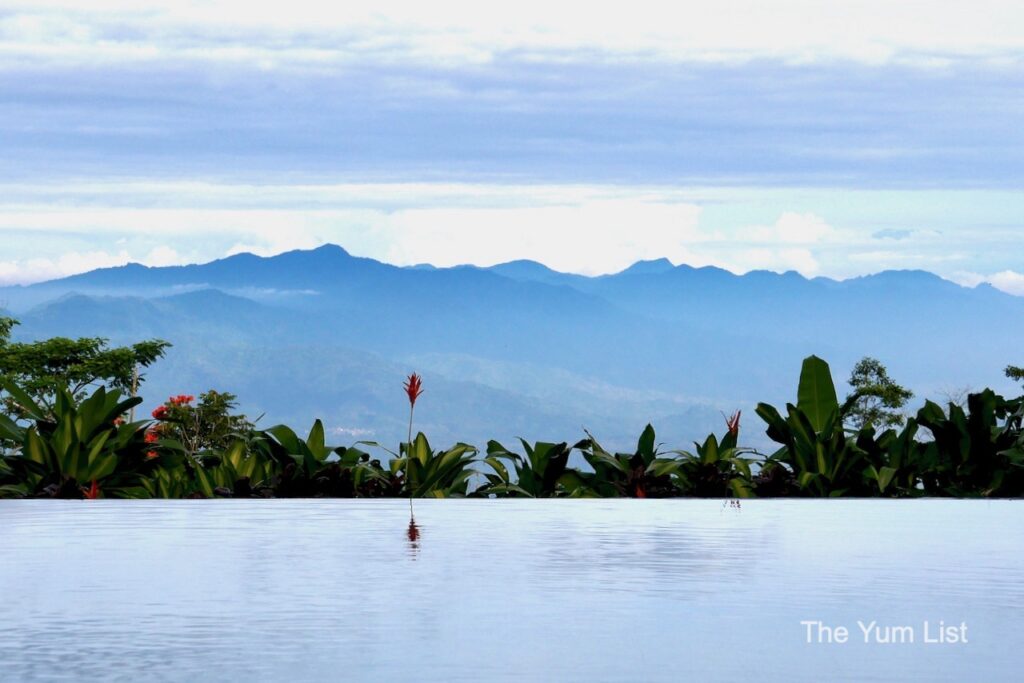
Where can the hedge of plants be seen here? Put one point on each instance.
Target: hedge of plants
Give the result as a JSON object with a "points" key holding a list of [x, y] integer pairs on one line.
{"points": [[91, 447]]}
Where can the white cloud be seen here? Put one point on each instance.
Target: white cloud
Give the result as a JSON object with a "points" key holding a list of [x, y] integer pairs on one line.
{"points": [[69, 263], [457, 31], [163, 256], [1009, 281], [271, 240], [787, 244], [575, 229], [593, 237], [793, 228]]}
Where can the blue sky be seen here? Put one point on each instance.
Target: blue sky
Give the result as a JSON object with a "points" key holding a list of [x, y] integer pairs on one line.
{"points": [[784, 135]]}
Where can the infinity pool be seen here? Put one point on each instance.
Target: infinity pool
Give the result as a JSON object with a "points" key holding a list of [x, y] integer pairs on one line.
{"points": [[510, 590]]}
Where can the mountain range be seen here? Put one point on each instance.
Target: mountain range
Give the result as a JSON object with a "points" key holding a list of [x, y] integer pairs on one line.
{"points": [[518, 348]]}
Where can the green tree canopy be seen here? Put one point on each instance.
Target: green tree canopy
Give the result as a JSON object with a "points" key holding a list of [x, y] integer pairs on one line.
{"points": [[1015, 373], [41, 367], [876, 399]]}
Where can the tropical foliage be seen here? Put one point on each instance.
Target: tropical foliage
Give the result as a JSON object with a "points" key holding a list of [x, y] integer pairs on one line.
{"points": [[43, 369], [542, 472], [84, 445]]}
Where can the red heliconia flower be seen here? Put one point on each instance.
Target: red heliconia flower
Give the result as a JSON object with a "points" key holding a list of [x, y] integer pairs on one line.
{"points": [[152, 454], [93, 492], [733, 423], [152, 436], [160, 413], [413, 388]]}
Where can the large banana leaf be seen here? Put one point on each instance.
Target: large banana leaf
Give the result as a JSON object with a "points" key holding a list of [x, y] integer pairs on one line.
{"points": [[816, 396]]}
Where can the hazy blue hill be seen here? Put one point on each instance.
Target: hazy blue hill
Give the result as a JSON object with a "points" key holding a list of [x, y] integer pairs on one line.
{"points": [[295, 368], [205, 314], [520, 344], [662, 265], [456, 311], [531, 271]]}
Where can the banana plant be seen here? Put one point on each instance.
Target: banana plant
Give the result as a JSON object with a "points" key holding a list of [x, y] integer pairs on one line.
{"points": [[975, 452], [76, 449], [642, 474], [894, 460], [434, 474], [541, 473], [815, 448]]}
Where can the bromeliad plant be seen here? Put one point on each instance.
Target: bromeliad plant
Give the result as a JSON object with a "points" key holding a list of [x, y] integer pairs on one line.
{"points": [[435, 474], [429, 473], [310, 468], [541, 473], [643, 474], [717, 468], [74, 450]]}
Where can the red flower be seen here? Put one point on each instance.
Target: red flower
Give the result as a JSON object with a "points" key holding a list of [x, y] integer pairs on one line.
{"points": [[181, 400], [413, 388], [151, 455], [118, 421], [733, 423], [93, 492], [152, 436], [160, 413]]}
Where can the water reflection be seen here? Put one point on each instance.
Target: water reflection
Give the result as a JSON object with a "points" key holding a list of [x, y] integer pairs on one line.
{"points": [[413, 534], [247, 590]]}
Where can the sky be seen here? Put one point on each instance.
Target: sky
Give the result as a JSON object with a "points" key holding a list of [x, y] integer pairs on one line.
{"points": [[833, 139]]}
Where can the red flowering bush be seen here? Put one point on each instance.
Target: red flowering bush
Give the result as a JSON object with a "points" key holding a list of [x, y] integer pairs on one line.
{"points": [[207, 425]]}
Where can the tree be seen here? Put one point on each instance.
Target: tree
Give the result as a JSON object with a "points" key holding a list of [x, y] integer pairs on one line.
{"points": [[210, 424], [1015, 373], [40, 368], [876, 400]]}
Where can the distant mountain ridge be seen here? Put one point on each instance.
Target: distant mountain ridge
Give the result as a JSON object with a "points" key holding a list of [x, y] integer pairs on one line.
{"points": [[654, 340]]}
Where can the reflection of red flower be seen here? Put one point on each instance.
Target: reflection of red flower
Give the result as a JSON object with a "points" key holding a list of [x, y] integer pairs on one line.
{"points": [[151, 455], [160, 413], [413, 388]]}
